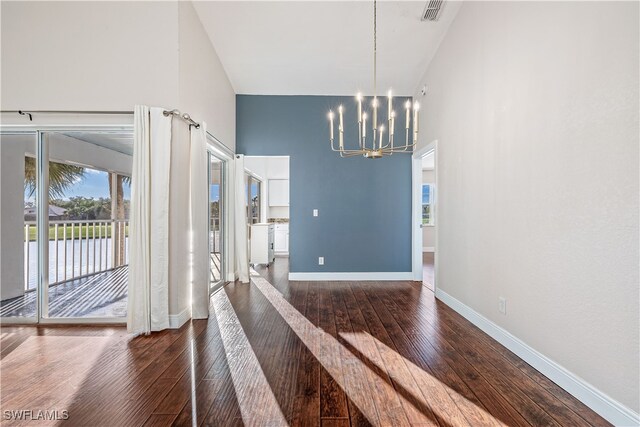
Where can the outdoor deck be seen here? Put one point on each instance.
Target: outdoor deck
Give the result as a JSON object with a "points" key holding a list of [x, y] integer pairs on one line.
{"points": [[102, 294]]}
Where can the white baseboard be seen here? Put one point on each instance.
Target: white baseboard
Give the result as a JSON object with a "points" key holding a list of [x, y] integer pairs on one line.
{"points": [[610, 409], [390, 275], [177, 320], [428, 249]]}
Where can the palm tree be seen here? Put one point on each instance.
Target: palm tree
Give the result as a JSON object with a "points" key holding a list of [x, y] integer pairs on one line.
{"points": [[61, 177], [120, 233]]}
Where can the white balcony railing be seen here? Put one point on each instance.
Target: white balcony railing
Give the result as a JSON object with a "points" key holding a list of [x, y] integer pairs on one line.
{"points": [[77, 249]]}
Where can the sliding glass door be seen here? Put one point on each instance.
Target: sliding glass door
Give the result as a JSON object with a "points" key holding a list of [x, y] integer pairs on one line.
{"points": [[88, 210], [18, 226], [68, 230], [64, 220], [253, 198], [217, 205]]}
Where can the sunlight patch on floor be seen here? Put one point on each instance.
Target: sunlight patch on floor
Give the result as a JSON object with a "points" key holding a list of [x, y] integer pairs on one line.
{"points": [[49, 360], [258, 405], [376, 399], [415, 380]]}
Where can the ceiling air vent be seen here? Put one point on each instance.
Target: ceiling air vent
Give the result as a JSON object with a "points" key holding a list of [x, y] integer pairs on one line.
{"points": [[433, 10]]}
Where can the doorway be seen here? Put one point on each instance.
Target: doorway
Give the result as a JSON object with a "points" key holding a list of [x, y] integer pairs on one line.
{"points": [[65, 225], [274, 197], [424, 172], [219, 183], [427, 222]]}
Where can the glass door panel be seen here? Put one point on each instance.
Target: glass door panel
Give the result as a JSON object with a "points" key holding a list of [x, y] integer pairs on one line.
{"points": [[216, 219], [19, 250], [89, 196], [255, 201]]}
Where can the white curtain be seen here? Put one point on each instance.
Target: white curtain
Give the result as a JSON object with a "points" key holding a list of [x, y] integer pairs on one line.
{"points": [[148, 289], [240, 221], [199, 223]]}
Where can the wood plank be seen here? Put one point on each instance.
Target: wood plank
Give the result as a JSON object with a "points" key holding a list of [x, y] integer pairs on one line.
{"points": [[159, 420], [333, 400], [335, 422], [390, 410], [306, 409], [319, 346], [509, 378], [416, 404]]}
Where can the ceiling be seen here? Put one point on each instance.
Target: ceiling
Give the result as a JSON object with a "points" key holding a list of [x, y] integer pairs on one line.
{"points": [[322, 48], [121, 141]]}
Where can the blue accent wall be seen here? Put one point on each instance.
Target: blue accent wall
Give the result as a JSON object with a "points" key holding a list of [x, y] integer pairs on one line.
{"points": [[364, 222]]}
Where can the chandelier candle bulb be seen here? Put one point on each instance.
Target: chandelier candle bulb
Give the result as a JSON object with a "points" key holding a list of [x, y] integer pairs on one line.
{"points": [[408, 107], [341, 128], [331, 124], [381, 133], [364, 126], [393, 123], [390, 103], [359, 107], [375, 112], [416, 107]]}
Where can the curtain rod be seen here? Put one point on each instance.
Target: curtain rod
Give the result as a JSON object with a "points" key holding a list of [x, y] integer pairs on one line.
{"points": [[167, 113]]}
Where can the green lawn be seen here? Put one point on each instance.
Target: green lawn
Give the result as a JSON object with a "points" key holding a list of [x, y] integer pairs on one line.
{"points": [[84, 231]]}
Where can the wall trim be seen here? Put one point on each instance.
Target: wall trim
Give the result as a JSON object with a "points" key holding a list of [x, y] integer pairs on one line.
{"points": [[610, 409], [313, 276], [428, 249], [177, 320]]}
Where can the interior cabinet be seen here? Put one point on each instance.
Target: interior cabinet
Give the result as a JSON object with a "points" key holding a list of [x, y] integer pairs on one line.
{"points": [[262, 243], [278, 192], [281, 238]]}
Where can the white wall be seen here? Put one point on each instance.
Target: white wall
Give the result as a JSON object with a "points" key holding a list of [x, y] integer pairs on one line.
{"points": [[89, 55], [428, 231], [535, 109], [204, 88]]}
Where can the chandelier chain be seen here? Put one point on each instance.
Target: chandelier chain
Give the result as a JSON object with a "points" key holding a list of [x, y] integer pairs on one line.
{"points": [[375, 49]]}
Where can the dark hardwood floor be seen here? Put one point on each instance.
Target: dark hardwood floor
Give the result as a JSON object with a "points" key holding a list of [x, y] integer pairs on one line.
{"points": [[286, 353], [428, 273]]}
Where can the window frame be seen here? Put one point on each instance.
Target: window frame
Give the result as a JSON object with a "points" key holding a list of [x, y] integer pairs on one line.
{"points": [[430, 222]]}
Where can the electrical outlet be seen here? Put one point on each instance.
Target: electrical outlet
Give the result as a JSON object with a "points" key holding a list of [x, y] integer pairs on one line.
{"points": [[321, 260], [502, 305], [315, 212]]}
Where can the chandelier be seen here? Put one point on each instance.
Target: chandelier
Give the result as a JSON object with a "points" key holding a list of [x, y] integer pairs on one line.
{"points": [[375, 147]]}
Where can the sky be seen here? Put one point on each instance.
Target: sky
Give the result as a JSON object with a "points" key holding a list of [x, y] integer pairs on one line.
{"points": [[214, 192], [425, 194], [95, 184]]}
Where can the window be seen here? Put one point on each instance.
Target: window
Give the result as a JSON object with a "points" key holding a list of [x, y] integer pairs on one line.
{"points": [[427, 204], [253, 199]]}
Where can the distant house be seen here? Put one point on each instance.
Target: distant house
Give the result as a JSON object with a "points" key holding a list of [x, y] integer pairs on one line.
{"points": [[55, 213]]}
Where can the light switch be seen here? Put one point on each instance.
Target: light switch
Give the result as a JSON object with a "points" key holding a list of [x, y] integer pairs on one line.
{"points": [[315, 212]]}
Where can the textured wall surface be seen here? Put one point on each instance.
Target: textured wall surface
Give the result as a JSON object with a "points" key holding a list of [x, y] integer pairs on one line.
{"points": [[535, 109], [364, 205]]}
